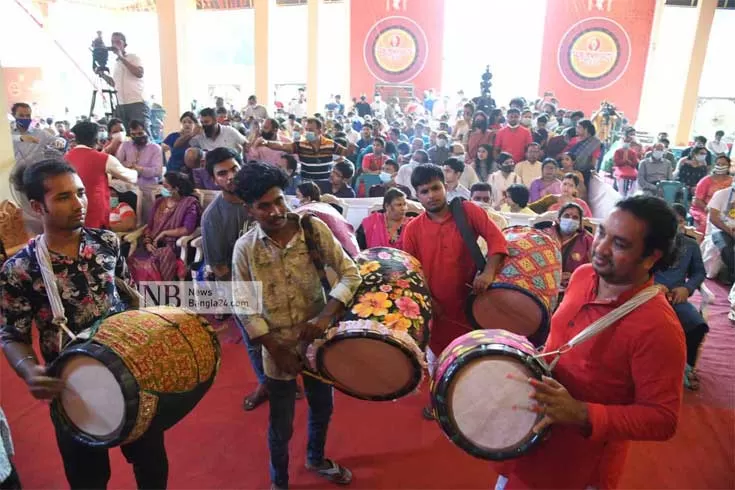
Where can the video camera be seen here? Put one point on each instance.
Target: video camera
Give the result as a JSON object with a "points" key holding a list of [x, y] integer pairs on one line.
{"points": [[100, 54]]}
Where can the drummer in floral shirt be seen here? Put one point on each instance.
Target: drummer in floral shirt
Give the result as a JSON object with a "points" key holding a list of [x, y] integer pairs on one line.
{"points": [[85, 262]]}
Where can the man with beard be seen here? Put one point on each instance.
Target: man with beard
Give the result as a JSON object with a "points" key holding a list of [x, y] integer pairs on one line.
{"points": [[295, 309], [216, 135], [269, 132], [86, 263], [433, 238], [624, 384]]}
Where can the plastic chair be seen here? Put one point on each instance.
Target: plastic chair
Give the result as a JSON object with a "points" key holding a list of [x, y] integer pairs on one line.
{"points": [[669, 191]]}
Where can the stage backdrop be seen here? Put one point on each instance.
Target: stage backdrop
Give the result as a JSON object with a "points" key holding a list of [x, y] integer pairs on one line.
{"points": [[596, 50], [396, 42]]}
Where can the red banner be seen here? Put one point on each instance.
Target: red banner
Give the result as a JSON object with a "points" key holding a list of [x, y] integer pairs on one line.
{"points": [[24, 85], [596, 50], [396, 42]]}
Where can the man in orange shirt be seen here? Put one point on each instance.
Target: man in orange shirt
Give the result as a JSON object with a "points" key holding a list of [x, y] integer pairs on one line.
{"points": [[513, 138], [434, 239], [624, 384]]}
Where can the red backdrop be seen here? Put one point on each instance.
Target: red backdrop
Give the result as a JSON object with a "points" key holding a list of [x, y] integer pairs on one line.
{"points": [[24, 85], [396, 42], [596, 50]]}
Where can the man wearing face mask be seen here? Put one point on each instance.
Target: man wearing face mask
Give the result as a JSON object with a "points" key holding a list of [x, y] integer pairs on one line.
{"points": [[388, 180], [441, 152], [29, 144], [699, 143], [215, 135], [404, 174], [146, 158], [315, 151], [268, 132], [513, 138], [653, 169], [479, 135]]}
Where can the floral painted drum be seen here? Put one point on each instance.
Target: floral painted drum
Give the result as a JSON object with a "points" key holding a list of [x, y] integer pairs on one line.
{"points": [[477, 404], [525, 291], [376, 351]]}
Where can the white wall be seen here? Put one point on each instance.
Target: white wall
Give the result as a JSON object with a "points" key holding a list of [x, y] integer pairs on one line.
{"points": [[288, 47]]}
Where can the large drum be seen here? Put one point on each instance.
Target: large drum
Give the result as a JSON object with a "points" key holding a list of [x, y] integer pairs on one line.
{"points": [[477, 405], [376, 351], [141, 370], [525, 290]]}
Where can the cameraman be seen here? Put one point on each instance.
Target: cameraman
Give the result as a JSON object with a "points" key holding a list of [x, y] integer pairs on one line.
{"points": [[127, 79]]}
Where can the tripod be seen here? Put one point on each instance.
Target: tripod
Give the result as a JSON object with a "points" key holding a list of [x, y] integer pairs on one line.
{"points": [[111, 94]]}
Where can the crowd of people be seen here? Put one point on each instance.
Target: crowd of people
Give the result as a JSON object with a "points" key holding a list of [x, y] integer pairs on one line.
{"points": [[270, 170]]}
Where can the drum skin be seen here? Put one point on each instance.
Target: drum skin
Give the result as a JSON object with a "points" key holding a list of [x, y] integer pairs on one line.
{"points": [[165, 360], [453, 362], [394, 294], [525, 290]]}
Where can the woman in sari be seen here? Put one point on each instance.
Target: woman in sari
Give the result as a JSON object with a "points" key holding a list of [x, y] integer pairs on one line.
{"points": [[384, 228], [175, 214], [568, 194], [585, 149], [547, 184], [719, 179], [576, 242]]}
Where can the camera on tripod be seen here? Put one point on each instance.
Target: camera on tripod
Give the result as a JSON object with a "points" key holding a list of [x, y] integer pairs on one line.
{"points": [[100, 54]]}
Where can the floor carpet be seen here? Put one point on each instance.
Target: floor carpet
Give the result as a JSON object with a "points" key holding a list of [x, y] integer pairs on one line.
{"points": [[387, 445]]}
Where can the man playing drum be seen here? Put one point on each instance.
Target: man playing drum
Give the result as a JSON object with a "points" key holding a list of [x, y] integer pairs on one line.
{"points": [[434, 239], [621, 385], [85, 262], [294, 310]]}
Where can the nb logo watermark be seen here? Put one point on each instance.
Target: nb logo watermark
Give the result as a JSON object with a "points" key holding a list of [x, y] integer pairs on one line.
{"points": [[209, 297]]}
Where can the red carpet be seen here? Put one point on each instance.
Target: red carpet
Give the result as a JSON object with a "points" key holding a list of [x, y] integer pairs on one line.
{"points": [[387, 445]]}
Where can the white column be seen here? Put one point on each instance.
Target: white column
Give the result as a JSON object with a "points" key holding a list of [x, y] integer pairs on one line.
{"points": [[172, 22], [312, 69], [7, 156]]}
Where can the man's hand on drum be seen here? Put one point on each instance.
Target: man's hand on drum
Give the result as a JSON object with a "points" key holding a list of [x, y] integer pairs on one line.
{"points": [[314, 328], [40, 385], [555, 403]]}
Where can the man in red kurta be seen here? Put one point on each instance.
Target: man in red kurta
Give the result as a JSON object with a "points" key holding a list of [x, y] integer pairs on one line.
{"points": [[433, 238], [622, 385]]}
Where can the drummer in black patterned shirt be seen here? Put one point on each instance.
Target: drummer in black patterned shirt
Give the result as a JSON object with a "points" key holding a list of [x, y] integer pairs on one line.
{"points": [[85, 262], [295, 309]]}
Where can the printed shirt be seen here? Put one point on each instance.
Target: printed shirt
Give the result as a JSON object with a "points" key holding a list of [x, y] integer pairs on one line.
{"points": [[291, 290], [86, 285], [316, 163], [629, 376]]}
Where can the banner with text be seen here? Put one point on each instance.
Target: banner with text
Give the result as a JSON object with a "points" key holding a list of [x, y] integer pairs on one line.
{"points": [[396, 43], [596, 50]]}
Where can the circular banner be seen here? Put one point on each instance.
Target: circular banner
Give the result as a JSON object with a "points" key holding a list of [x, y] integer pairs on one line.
{"points": [[395, 49], [594, 53]]}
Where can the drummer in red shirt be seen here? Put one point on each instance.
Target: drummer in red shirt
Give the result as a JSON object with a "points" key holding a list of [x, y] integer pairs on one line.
{"points": [[625, 384], [434, 239]]}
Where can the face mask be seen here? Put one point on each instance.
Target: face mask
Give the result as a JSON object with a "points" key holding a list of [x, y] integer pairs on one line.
{"points": [[268, 136], [295, 203], [413, 162], [165, 192], [567, 121], [296, 136], [626, 146], [526, 121], [385, 177], [114, 202], [208, 130], [568, 225], [480, 124], [507, 168], [140, 140], [658, 154], [310, 136], [441, 143], [23, 124], [701, 158], [102, 135]]}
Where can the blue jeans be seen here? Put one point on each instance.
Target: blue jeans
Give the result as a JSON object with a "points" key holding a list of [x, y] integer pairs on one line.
{"points": [[255, 352], [282, 397]]}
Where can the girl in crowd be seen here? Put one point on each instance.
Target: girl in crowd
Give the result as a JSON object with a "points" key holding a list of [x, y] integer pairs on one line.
{"points": [[569, 194], [384, 228], [175, 214], [484, 164], [177, 142], [115, 136], [566, 161]]}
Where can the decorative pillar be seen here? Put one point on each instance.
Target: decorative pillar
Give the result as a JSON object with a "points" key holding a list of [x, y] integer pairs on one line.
{"points": [[262, 66], [172, 20], [7, 156], [705, 16], [346, 93], [312, 72]]}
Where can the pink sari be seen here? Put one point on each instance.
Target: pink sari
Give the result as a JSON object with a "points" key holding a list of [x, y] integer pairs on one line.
{"points": [[341, 228], [376, 232], [163, 264]]}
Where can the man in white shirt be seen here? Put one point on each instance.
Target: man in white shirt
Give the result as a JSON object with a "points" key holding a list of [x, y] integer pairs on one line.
{"points": [[127, 79], [255, 110], [216, 135], [31, 144], [453, 169], [717, 146], [718, 248], [404, 173]]}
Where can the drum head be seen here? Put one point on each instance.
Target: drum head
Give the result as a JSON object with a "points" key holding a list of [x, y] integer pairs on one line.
{"points": [[507, 309], [92, 399], [369, 368], [482, 401]]}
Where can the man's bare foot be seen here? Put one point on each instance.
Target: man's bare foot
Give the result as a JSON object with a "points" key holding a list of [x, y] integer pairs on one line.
{"points": [[255, 399]]}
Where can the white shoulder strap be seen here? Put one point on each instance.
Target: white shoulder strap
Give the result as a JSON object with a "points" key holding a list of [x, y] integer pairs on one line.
{"points": [[52, 288]]}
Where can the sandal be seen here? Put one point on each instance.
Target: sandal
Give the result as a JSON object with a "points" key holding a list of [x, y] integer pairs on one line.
{"points": [[334, 473], [691, 380], [255, 399]]}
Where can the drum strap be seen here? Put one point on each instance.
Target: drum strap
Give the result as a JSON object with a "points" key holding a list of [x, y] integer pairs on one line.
{"points": [[469, 238], [52, 289], [601, 324], [314, 254]]}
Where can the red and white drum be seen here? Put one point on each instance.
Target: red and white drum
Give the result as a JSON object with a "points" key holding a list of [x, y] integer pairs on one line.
{"points": [[478, 406]]}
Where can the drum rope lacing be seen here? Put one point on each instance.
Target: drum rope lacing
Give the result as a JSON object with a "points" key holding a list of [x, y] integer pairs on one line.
{"points": [[52, 290], [601, 324]]}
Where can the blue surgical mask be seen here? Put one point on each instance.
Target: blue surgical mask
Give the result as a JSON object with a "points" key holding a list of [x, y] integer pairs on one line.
{"points": [[296, 136], [385, 177], [310, 136], [165, 192], [568, 225], [114, 202], [23, 124]]}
